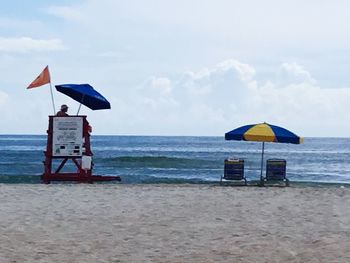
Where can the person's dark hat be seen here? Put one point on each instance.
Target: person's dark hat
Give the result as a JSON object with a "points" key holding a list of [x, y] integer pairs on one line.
{"points": [[64, 107]]}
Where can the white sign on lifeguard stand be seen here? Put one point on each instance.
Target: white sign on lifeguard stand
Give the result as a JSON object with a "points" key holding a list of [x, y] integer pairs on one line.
{"points": [[67, 136]]}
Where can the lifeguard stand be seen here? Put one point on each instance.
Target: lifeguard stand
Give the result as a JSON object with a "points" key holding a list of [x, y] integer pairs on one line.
{"points": [[68, 138]]}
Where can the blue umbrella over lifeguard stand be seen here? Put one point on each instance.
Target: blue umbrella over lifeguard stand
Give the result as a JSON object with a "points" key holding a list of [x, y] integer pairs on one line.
{"points": [[86, 95]]}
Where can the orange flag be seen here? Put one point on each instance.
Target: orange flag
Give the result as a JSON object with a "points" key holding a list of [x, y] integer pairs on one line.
{"points": [[42, 79]]}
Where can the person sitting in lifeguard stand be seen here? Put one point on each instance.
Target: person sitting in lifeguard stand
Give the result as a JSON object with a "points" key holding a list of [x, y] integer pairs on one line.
{"points": [[63, 111]]}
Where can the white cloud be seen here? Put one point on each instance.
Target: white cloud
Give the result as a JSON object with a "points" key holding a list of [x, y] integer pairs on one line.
{"points": [[234, 98], [6, 111], [66, 12], [161, 85], [196, 102], [169, 106], [27, 44], [3, 98], [245, 72], [295, 73]]}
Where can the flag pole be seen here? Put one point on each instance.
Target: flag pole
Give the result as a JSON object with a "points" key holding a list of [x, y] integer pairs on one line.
{"points": [[53, 101]]}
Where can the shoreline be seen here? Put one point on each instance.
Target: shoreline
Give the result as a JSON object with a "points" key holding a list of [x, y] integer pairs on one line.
{"points": [[35, 179]]}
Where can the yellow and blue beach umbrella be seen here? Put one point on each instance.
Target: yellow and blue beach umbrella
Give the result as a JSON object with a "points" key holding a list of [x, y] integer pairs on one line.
{"points": [[263, 132]]}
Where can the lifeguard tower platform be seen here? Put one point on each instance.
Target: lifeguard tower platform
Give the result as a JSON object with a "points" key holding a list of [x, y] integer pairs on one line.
{"points": [[68, 140]]}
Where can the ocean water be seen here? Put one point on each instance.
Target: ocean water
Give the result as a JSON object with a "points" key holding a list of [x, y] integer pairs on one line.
{"points": [[156, 159]]}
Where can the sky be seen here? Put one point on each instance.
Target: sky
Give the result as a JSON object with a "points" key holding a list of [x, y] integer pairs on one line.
{"points": [[179, 67]]}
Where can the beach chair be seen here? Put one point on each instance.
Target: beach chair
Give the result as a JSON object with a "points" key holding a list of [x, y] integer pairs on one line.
{"points": [[276, 171], [234, 171]]}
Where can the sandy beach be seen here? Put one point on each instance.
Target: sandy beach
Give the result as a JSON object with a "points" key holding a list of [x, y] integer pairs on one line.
{"points": [[173, 223]]}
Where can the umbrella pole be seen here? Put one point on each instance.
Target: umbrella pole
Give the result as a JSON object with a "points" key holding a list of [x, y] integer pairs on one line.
{"points": [[262, 162], [82, 100], [79, 109]]}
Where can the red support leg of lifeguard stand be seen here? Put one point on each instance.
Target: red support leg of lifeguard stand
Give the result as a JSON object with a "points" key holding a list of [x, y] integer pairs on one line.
{"points": [[81, 175]]}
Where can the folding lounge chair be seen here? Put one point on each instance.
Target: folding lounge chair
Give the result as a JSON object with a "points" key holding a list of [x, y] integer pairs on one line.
{"points": [[276, 171], [234, 171]]}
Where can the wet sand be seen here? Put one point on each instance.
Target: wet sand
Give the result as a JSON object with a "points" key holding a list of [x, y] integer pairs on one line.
{"points": [[173, 223]]}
